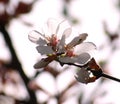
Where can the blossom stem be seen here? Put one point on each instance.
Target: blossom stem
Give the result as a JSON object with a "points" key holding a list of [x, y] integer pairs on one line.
{"points": [[110, 77], [98, 73]]}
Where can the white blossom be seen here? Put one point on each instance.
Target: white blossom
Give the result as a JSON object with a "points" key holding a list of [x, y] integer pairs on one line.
{"points": [[82, 75], [52, 43]]}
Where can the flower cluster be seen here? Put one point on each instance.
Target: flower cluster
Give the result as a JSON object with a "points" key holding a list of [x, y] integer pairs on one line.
{"points": [[51, 42], [55, 48]]}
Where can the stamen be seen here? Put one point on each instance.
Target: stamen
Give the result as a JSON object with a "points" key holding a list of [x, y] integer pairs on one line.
{"points": [[70, 53]]}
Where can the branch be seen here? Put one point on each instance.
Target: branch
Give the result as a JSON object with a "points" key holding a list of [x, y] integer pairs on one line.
{"points": [[110, 77], [96, 70], [15, 63]]}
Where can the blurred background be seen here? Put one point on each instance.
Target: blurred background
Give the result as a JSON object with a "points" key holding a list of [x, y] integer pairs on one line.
{"points": [[20, 83]]}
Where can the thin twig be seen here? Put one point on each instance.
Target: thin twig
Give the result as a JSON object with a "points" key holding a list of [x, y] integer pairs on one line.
{"points": [[110, 77], [97, 73]]}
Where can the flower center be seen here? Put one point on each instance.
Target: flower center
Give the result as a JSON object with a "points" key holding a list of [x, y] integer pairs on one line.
{"points": [[70, 53], [54, 40]]}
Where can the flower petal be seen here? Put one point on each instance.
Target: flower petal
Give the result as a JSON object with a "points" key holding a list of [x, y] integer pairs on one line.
{"points": [[58, 27], [36, 37], [82, 75], [85, 47], [52, 25], [83, 58], [40, 64], [61, 45], [41, 42], [67, 32], [63, 28], [67, 59], [77, 40], [44, 49]]}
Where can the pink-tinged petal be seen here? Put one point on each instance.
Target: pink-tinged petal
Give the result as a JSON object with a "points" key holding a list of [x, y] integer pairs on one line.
{"points": [[63, 28], [41, 42], [40, 64], [77, 40], [82, 76], [44, 50], [83, 36], [61, 45], [67, 32], [58, 27], [63, 24], [45, 61], [83, 58], [67, 60], [36, 37], [52, 25], [85, 47]]}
